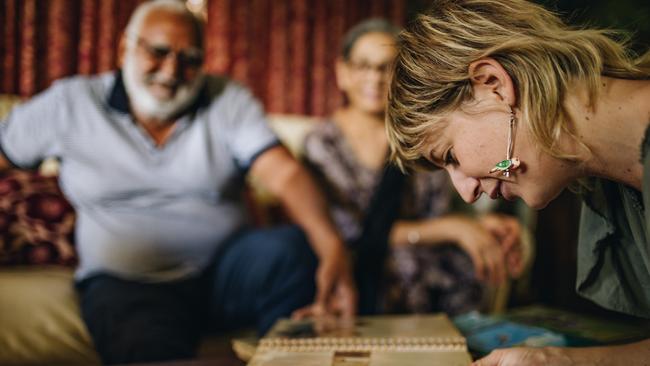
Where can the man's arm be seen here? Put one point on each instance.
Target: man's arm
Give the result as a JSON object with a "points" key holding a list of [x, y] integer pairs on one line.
{"points": [[283, 176]]}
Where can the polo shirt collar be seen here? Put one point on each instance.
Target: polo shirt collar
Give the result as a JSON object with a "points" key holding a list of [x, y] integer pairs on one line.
{"points": [[117, 98]]}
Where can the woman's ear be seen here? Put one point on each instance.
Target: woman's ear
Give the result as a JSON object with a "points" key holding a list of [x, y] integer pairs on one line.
{"points": [[342, 74], [491, 82]]}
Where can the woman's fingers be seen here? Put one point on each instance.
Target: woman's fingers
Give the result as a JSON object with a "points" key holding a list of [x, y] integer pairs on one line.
{"points": [[488, 260]]}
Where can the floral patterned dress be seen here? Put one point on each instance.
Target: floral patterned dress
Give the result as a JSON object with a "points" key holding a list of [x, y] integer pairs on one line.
{"points": [[420, 278]]}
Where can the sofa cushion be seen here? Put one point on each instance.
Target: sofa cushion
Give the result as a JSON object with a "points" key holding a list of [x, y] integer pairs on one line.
{"points": [[7, 102], [36, 221], [39, 313]]}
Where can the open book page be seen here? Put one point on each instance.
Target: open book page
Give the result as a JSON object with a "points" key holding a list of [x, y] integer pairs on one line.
{"points": [[426, 330], [368, 341]]}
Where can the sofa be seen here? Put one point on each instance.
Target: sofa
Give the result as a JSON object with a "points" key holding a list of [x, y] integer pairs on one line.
{"points": [[40, 322]]}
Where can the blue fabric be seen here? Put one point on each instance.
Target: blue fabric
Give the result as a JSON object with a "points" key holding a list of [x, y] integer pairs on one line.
{"points": [[257, 277]]}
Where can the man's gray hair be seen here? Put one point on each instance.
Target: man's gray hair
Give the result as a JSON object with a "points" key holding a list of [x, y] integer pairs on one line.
{"points": [[134, 26], [376, 25]]}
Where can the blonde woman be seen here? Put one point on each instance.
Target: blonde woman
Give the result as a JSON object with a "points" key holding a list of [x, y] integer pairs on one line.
{"points": [[513, 103]]}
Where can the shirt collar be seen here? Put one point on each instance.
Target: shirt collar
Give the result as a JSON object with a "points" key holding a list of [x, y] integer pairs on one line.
{"points": [[117, 98]]}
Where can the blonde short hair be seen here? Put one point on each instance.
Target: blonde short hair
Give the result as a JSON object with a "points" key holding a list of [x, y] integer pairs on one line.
{"points": [[542, 55]]}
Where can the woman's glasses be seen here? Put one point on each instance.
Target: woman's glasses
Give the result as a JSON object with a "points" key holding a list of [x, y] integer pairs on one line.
{"points": [[364, 67]]}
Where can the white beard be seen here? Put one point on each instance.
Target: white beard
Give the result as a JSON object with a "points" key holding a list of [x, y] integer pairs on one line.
{"points": [[150, 106]]}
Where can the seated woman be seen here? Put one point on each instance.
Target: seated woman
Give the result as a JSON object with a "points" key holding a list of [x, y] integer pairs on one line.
{"points": [[391, 220], [512, 102]]}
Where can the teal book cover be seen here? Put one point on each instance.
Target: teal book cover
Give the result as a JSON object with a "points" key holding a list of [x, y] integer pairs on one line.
{"points": [[486, 333], [579, 328], [541, 326]]}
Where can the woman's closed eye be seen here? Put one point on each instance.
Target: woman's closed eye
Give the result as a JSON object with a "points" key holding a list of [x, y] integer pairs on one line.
{"points": [[449, 158]]}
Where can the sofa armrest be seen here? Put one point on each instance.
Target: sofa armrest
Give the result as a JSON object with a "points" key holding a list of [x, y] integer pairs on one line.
{"points": [[39, 313]]}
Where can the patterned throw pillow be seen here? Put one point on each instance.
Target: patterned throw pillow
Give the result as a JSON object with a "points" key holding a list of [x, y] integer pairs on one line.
{"points": [[36, 221]]}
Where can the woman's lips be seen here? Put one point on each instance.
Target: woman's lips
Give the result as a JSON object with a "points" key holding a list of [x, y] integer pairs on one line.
{"points": [[503, 191], [500, 191], [496, 191]]}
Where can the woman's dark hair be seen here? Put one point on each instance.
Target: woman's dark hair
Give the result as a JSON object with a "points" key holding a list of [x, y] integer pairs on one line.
{"points": [[376, 25]]}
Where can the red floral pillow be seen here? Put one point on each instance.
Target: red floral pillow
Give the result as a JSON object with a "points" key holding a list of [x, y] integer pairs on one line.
{"points": [[36, 221]]}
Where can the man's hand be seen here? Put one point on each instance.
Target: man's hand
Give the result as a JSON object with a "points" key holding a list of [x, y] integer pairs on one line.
{"points": [[335, 291]]}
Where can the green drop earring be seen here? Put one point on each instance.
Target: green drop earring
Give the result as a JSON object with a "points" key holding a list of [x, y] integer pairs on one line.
{"points": [[509, 164]]}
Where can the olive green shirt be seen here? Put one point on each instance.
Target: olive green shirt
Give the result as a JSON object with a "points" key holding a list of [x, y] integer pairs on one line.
{"points": [[613, 248]]}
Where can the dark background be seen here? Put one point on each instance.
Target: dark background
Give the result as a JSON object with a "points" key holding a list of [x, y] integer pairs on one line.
{"points": [[629, 15]]}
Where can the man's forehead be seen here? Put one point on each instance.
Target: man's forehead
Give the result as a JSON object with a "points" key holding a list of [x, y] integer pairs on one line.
{"points": [[164, 26]]}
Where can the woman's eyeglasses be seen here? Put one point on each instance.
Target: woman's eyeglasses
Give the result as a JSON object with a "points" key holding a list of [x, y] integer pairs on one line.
{"points": [[364, 67]]}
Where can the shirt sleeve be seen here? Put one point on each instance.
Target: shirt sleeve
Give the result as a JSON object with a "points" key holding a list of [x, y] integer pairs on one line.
{"points": [[32, 131], [247, 128]]}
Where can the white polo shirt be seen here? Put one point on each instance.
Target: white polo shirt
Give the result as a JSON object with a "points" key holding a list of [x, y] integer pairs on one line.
{"points": [[143, 212]]}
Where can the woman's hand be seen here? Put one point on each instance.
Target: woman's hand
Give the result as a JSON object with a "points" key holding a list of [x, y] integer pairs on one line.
{"points": [[625, 355], [507, 231], [481, 245], [493, 242], [526, 356]]}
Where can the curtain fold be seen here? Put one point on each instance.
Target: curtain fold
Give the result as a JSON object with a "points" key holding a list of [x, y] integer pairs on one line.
{"points": [[61, 49], [8, 47], [87, 58], [106, 35], [217, 52], [320, 50], [299, 35], [27, 51], [283, 50]]}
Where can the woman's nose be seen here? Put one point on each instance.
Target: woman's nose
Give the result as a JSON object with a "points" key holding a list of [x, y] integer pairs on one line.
{"points": [[469, 188]]}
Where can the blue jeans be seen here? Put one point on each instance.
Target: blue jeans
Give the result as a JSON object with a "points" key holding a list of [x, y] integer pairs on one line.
{"points": [[257, 277]]}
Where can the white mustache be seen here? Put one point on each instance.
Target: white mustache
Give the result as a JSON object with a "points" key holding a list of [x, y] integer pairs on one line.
{"points": [[160, 79]]}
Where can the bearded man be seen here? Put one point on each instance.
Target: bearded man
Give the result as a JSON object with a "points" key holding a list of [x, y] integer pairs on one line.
{"points": [[153, 157]]}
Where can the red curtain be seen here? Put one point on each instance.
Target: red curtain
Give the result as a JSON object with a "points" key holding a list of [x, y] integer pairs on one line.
{"points": [[43, 40], [284, 50]]}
